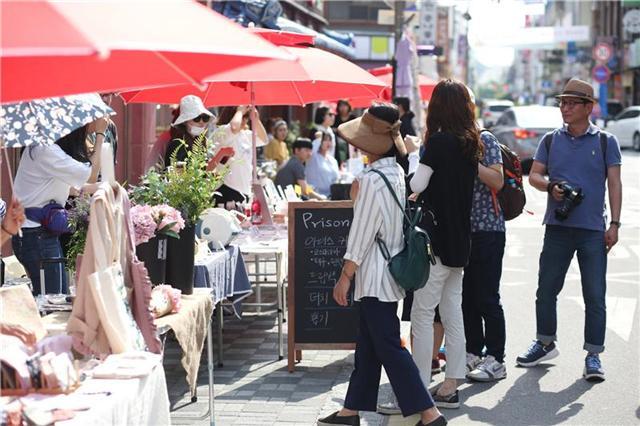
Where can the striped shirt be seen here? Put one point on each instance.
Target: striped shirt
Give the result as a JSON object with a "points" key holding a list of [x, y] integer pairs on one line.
{"points": [[3, 210], [376, 212]]}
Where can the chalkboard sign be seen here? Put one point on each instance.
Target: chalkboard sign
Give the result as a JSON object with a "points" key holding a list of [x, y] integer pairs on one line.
{"points": [[318, 234]]}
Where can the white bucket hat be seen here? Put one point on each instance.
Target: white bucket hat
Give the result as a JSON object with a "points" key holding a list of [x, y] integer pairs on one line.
{"points": [[191, 107]]}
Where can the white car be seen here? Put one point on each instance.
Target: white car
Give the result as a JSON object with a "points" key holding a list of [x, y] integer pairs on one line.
{"points": [[493, 109], [626, 127]]}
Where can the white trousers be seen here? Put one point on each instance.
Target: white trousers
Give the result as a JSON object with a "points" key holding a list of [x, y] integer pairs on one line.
{"points": [[444, 288]]}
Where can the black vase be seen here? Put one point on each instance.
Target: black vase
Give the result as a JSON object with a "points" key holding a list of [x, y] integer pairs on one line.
{"points": [[180, 260], [154, 255]]}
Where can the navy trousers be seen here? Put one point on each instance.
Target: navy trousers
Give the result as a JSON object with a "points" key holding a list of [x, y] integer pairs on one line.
{"points": [[378, 345]]}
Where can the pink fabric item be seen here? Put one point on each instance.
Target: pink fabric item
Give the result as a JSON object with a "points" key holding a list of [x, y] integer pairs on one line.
{"points": [[158, 150], [141, 296]]}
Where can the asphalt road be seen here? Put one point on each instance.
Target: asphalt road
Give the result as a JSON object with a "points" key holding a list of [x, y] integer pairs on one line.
{"points": [[556, 393]]}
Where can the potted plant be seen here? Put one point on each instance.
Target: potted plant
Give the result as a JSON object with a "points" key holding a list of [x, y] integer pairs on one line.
{"points": [[188, 187], [152, 226]]}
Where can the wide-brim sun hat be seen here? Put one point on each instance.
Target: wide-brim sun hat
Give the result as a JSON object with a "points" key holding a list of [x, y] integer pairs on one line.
{"points": [[372, 134], [576, 88], [191, 107]]}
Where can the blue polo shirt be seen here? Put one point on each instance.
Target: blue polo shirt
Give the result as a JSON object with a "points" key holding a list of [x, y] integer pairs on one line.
{"points": [[578, 161]]}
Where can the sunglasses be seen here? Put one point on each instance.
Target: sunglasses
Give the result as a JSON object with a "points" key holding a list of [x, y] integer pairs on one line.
{"points": [[202, 117]]}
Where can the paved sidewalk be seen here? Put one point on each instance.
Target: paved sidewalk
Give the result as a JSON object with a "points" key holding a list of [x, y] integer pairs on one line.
{"points": [[254, 387]]}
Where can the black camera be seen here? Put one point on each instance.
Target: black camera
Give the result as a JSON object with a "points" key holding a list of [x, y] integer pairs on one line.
{"points": [[571, 197]]}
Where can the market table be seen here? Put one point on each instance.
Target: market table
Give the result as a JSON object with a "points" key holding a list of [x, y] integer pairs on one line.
{"points": [[189, 327], [263, 246]]}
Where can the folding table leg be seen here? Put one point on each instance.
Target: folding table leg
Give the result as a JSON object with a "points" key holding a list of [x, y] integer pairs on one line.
{"points": [[220, 328], [279, 281], [212, 418], [258, 289]]}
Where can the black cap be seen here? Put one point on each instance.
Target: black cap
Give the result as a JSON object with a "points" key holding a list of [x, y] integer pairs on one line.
{"points": [[302, 143]]}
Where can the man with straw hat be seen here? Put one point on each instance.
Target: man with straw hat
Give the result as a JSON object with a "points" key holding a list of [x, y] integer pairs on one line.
{"points": [[375, 213], [581, 160]]}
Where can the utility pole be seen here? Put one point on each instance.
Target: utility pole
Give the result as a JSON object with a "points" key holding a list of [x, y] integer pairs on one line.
{"points": [[398, 27]]}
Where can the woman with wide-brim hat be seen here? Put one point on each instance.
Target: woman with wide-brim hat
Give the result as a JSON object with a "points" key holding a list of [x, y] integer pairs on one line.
{"points": [[191, 124], [375, 213]]}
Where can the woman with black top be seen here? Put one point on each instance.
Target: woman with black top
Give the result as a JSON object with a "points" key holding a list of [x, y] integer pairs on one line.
{"points": [[192, 122], [444, 179]]}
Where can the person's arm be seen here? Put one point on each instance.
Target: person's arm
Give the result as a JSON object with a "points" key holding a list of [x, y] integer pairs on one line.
{"points": [[307, 191], [421, 178], [101, 128], [236, 122], [367, 220], [541, 183], [261, 132], [12, 221], [614, 184], [491, 176]]}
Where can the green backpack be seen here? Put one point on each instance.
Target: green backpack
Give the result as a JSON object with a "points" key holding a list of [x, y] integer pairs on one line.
{"points": [[409, 268]]}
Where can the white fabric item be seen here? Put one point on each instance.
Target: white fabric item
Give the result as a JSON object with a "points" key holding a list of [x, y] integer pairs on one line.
{"points": [[139, 401], [110, 297], [240, 173], [444, 288], [127, 365], [421, 178], [414, 161], [191, 107], [376, 212], [47, 173]]}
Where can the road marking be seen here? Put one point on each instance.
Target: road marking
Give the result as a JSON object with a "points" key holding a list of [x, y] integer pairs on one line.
{"points": [[620, 314]]}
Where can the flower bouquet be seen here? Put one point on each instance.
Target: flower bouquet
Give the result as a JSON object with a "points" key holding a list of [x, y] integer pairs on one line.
{"points": [[152, 225]]}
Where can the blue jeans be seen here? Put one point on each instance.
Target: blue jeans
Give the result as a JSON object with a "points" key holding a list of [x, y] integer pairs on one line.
{"points": [[560, 243], [378, 345], [34, 246]]}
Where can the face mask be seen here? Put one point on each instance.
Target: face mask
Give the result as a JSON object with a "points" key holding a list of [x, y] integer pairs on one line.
{"points": [[196, 131]]}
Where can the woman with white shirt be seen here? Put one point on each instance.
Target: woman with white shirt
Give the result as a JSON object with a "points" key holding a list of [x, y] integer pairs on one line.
{"points": [[375, 213], [237, 134], [322, 169], [47, 174], [323, 120]]}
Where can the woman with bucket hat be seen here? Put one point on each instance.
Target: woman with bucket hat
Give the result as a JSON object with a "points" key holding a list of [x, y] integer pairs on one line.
{"points": [[375, 212], [192, 123]]}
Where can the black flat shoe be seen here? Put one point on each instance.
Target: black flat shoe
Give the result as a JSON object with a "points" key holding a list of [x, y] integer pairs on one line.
{"points": [[335, 419], [440, 421]]}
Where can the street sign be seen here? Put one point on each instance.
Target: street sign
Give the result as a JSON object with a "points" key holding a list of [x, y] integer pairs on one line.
{"points": [[602, 52], [601, 73]]}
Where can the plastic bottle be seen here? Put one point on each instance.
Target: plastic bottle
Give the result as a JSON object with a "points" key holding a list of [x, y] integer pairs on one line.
{"points": [[256, 212]]}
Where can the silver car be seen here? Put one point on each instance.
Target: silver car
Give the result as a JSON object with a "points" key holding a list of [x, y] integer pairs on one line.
{"points": [[520, 128]]}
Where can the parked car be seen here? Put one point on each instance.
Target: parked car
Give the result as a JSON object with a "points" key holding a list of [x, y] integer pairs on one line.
{"points": [[626, 127], [520, 128], [493, 109]]}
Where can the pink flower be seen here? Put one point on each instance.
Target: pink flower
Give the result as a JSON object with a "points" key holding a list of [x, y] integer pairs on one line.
{"points": [[165, 215], [143, 223]]}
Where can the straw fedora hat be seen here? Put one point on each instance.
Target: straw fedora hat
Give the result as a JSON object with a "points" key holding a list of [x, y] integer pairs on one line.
{"points": [[372, 134], [578, 89]]}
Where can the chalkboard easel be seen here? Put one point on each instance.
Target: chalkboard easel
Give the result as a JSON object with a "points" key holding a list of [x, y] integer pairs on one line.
{"points": [[318, 234]]}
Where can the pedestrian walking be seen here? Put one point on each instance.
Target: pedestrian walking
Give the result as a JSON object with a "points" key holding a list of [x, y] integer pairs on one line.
{"points": [[376, 293], [406, 116], [484, 323], [445, 179], [582, 162]]}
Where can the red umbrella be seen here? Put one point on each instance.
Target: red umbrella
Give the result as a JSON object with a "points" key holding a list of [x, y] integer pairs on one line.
{"points": [[53, 48], [318, 76], [386, 74]]}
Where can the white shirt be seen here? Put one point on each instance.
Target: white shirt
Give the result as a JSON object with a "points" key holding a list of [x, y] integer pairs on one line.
{"points": [[321, 172], [45, 174], [376, 212], [240, 165]]}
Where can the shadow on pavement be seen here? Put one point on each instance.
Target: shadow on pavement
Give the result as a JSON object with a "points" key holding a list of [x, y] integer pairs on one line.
{"points": [[525, 404]]}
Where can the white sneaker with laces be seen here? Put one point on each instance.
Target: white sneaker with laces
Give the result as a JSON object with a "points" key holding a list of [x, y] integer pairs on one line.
{"points": [[472, 362], [390, 408], [488, 370]]}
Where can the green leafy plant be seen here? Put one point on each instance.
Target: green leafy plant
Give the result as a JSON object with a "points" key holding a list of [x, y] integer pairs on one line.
{"points": [[186, 186], [79, 223]]}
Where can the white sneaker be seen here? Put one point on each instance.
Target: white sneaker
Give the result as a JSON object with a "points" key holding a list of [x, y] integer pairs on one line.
{"points": [[390, 408], [472, 362], [488, 370]]}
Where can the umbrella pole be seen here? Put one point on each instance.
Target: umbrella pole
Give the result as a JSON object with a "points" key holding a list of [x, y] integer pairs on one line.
{"points": [[254, 142]]}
